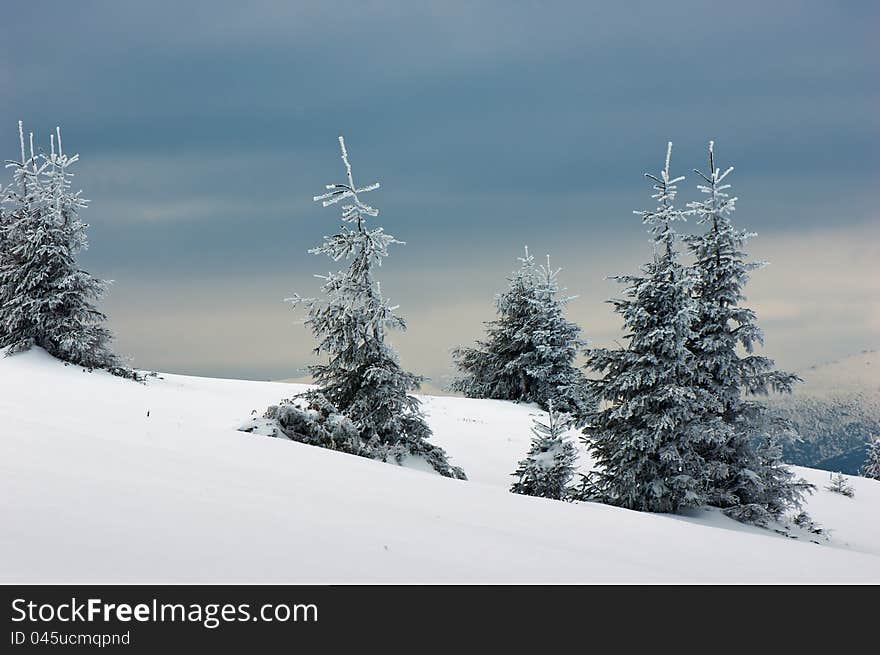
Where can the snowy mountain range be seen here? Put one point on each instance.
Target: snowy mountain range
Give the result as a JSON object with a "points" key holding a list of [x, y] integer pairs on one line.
{"points": [[104, 479], [836, 411]]}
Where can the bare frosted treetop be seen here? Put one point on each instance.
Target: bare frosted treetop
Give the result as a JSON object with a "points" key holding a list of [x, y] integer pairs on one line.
{"points": [[337, 192]]}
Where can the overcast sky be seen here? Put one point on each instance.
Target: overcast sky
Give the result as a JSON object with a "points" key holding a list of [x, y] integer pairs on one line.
{"points": [[205, 129]]}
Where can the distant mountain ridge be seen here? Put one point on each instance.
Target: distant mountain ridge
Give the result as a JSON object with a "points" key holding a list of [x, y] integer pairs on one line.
{"points": [[836, 411]]}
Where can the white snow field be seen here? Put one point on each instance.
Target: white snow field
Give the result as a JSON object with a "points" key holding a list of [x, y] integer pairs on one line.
{"points": [[92, 489]]}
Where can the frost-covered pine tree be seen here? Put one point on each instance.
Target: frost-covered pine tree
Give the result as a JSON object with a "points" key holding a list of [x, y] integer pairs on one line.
{"points": [[4, 256], [490, 369], [46, 299], [747, 476], [363, 380], [530, 349], [548, 468], [840, 485], [647, 434], [871, 468]]}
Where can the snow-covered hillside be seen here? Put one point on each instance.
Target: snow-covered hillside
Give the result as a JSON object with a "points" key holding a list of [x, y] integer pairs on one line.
{"points": [[106, 480]]}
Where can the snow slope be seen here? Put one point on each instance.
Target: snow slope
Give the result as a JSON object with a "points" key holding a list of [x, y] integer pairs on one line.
{"points": [[93, 489]]}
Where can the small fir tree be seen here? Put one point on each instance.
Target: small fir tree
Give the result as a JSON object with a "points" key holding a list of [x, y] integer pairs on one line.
{"points": [[647, 434], [530, 350], [871, 469], [363, 380], [840, 485], [46, 299], [549, 465]]}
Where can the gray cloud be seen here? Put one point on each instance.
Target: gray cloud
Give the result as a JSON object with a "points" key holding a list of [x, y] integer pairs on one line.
{"points": [[205, 128]]}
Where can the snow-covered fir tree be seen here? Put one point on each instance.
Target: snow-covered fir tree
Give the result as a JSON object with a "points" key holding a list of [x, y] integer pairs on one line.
{"points": [[490, 370], [840, 485], [46, 299], [746, 475], [4, 256], [363, 380], [530, 349], [647, 434], [871, 468], [548, 468]]}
